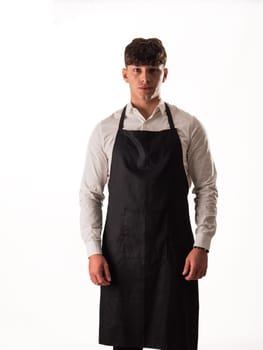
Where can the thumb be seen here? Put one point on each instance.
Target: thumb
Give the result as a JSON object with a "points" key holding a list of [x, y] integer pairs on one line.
{"points": [[107, 272], [186, 267]]}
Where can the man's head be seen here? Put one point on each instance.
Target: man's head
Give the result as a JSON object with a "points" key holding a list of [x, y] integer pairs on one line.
{"points": [[145, 69], [145, 52]]}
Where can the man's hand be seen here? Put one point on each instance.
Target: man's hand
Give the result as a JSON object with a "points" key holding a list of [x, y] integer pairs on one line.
{"points": [[99, 270], [195, 264]]}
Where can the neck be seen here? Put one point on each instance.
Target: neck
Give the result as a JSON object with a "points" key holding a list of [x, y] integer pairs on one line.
{"points": [[146, 108]]}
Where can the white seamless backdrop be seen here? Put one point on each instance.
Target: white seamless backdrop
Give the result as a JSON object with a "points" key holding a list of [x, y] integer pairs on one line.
{"points": [[60, 74]]}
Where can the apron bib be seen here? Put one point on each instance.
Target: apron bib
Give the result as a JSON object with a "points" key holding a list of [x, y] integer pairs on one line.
{"points": [[146, 238]]}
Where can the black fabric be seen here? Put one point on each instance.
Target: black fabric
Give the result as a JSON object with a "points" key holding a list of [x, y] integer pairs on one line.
{"points": [[121, 348], [146, 238]]}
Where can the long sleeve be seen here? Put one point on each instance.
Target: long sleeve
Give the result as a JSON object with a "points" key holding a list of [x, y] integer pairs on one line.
{"points": [[203, 173], [91, 192]]}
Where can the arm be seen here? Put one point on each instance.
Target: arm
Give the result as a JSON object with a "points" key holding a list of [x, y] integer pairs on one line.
{"points": [[203, 173], [91, 198]]}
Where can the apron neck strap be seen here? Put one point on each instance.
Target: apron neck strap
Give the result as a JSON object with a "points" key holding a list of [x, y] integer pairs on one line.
{"points": [[167, 109], [122, 118], [169, 115]]}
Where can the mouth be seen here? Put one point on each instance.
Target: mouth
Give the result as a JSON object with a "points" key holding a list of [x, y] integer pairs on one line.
{"points": [[145, 88]]}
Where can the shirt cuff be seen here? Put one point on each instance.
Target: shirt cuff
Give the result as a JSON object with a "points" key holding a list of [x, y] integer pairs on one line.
{"points": [[93, 247], [203, 242]]}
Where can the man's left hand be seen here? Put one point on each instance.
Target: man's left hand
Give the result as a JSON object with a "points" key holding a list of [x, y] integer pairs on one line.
{"points": [[195, 264]]}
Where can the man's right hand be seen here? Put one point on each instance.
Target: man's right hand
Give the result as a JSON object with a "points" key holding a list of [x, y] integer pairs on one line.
{"points": [[99, 270]]}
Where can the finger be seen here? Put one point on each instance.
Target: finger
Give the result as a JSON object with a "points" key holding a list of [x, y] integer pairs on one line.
{"points": [[203, 272], [93, 279], [101, 280], [96, 279], [186, 267], [190, 270], [104, 283], [107, 272], [193, 274], [101, 277], [197, 275]]}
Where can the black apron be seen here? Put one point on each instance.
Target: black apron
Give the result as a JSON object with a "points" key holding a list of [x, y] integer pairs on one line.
{"points": [[146, 238]]}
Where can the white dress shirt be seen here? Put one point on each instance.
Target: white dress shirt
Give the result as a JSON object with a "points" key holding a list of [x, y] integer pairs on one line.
{"points": [[198, 164]]}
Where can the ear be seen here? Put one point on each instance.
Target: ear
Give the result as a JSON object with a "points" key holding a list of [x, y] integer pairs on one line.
{"points": [[124, 74], [165, 73]]}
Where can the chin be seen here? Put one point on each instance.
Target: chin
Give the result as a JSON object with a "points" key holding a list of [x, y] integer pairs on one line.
{"points": [[147, 97]]}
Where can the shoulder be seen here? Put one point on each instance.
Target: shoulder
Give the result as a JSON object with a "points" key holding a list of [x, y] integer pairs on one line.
{"points": [[106, 129], [185, 121], [110, 122], [180, 116], [107, 124]]}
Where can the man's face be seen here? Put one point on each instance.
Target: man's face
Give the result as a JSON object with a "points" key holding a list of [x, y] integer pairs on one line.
{"points": [[144, 81]]}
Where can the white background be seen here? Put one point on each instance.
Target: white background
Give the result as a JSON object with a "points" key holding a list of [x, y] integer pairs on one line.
{"points": [[60, 74]]}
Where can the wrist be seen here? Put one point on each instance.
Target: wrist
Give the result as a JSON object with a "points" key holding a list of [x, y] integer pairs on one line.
{"points": [[202, 248], [94, 255]]}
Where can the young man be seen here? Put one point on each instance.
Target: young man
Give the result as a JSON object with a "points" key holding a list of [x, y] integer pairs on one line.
{"points": [[149, 262]]}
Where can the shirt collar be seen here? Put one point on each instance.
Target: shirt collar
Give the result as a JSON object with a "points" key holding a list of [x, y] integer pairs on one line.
{"points": [[158, 111]]}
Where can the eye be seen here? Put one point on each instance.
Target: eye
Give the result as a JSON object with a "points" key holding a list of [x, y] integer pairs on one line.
{"points": [[136, 70], [153, 70]]}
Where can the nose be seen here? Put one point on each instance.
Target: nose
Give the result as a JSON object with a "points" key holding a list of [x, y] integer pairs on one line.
{"points": [[145, 77]]}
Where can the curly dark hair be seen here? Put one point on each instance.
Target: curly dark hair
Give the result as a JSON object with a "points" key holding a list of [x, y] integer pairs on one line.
{"points": [[145, 52]]}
